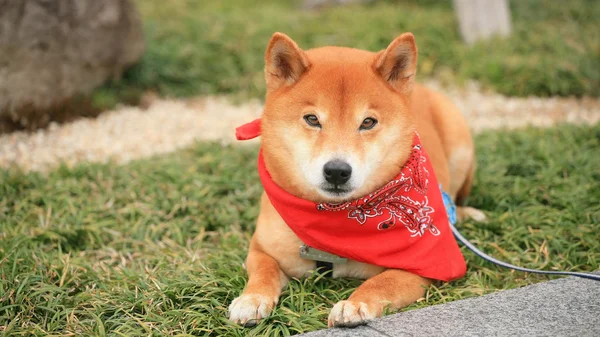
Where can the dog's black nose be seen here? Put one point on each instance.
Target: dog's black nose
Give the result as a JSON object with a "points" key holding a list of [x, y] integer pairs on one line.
{"points": [[337, 172]]}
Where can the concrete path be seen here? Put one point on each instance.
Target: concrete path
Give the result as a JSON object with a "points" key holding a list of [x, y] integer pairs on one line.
{"points": [[562, 307]]}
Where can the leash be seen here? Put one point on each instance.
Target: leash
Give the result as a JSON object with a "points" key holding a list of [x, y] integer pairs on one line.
{"points": [[484, 256], [451, 211]]}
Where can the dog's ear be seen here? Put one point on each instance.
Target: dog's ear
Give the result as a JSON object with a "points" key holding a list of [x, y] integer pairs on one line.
{"points": [[285, 62], [398, 63]]}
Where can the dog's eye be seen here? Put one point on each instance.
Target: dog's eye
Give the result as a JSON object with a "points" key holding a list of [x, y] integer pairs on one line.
{"points": [[312, 120], [368, 123]]}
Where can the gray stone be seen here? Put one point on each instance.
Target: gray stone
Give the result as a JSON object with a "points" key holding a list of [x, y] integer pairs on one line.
{"points": [[562, 307], [55, 50]]}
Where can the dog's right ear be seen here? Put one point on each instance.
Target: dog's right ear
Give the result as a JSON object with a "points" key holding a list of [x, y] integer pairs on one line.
{"points": [[285, 62]]}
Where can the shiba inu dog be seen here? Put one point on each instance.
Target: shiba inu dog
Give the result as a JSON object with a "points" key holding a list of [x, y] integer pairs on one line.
{"points": [[354, 158]]}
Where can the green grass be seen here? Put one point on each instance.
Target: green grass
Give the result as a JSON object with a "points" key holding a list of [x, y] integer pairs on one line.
{"points": [[156, 247], [217, 47]]}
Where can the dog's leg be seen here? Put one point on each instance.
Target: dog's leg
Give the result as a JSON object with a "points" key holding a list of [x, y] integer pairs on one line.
{"points": [[394, 288], [265, 281], [457, 169]]}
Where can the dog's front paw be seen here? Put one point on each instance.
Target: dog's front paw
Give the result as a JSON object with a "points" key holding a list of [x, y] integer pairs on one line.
{"points": [[350, 314], [248, 309]]}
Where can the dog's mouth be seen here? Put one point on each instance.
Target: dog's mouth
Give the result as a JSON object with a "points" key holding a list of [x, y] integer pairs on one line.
{"points": [[336, 192]]}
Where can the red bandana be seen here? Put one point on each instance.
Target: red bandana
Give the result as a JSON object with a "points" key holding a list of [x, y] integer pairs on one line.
{"points": [[403, 225]]}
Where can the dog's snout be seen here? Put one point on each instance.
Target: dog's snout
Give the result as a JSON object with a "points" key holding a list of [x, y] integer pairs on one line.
{"points": [[337, 172]]}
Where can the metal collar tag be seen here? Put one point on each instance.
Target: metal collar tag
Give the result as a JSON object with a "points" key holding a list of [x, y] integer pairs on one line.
{"points": [[310, 253]]}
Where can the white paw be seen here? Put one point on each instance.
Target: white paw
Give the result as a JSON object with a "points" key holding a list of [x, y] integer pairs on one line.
{"points": [[248, 309], [350, 314], [471, 213]]}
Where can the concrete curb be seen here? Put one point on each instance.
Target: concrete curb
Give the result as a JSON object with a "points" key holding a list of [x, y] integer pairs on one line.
{"points": [[562, 307]]}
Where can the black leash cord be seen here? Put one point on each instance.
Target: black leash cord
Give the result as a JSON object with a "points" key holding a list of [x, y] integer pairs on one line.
{"points": [[484, 256]]}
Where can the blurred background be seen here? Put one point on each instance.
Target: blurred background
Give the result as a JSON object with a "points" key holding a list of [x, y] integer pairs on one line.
{"points": [[210, 47], [64, 59]]}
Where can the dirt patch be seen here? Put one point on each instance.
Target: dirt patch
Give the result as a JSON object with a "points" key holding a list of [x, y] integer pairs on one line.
{"points": [[488, 110], [126, 133]]}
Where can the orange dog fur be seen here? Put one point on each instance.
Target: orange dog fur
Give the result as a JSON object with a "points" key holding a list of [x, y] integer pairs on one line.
{"points": [[341, 87]]}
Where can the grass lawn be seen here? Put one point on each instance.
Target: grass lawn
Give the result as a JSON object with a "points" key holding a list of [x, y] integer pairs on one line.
{"points": [[156, 247], [217, 47]]}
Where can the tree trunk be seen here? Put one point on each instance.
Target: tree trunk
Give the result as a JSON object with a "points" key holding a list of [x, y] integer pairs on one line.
{"points": [[481, 19]]}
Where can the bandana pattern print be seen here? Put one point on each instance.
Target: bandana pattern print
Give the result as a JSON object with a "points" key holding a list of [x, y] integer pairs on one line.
{"points": [[414, 215]]}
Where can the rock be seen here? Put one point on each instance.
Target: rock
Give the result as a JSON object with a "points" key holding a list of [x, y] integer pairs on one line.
{"points": [[53, 53]]}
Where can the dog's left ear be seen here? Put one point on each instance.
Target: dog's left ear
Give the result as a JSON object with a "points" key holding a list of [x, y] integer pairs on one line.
{"points": [[398, 63]]}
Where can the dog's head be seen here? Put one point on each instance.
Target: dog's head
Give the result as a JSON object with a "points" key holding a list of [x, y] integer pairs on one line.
{"points": [[337, 122]]}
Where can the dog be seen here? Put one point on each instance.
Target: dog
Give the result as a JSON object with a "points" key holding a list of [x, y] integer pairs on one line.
{"points": [[354, 159]]}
